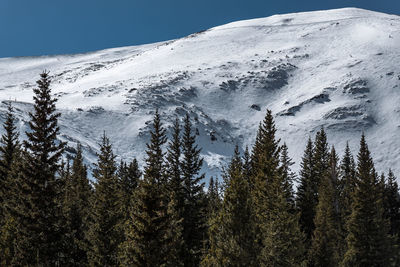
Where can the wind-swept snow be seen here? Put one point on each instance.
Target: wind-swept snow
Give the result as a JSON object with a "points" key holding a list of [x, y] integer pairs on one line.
{"points": [[337, 68]]}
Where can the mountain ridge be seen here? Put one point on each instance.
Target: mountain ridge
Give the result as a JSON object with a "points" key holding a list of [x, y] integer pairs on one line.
{"points": [[335, 68]]}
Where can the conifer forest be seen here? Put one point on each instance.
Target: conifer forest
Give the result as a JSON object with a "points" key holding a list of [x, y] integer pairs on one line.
{"points": [[56, 211]]}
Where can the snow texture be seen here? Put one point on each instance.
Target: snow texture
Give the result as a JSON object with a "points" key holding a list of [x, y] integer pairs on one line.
{"points": [[337, 68]]}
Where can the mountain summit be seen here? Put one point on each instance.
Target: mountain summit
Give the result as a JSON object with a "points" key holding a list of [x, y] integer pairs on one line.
{"points": [[337, 68]]}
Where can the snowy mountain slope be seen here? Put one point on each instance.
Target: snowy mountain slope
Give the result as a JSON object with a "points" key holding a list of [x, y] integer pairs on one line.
{"points": [[337, 68]]}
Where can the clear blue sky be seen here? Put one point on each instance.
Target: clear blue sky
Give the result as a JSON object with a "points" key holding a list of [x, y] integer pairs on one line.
{"points": [[42, 27]]}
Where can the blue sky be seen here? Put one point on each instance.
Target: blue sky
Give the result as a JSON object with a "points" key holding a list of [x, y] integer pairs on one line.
{"points": [[42, 27]]}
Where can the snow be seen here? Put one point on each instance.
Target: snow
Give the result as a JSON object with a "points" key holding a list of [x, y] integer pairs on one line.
{"points": [[336, 68]]}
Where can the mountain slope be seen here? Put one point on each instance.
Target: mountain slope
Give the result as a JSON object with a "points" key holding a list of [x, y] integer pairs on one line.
{"points": [[337, 68]]}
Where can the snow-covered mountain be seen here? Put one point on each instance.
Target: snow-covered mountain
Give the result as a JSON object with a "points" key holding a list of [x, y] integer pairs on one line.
{"points": [[337, 68]]}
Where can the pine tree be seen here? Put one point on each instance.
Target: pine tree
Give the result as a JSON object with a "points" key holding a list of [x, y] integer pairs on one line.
{"points": [[392, 204], [9, 145], [36, 211], [247, 166], [148, 229], [367, 241], [104, 235], [321, 155], [265, 170], [232, 229], [326, 237], [76, 205], [347, 182], [392, 213], [287, 175], [279, 240], [128, 175], [176, 196], [194, 230], [9, 160], [306, 199]]}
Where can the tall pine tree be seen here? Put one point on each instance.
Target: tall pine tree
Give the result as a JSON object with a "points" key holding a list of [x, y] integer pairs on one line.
{"points": [[368, 242], [194, 230], [306, 199], [147, 232], [104, 235], [76, 206], [37, 212], [325, 249]]}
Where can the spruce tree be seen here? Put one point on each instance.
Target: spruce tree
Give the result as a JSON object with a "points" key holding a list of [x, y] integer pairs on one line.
{"points": [[10, 204], [147, 232], [9, 157], [194, 230], [392, 213], [76, 205], [325, 249], [104, 235], [279, 241], [287, 175], [265, 170], [37, 213], [176, 194], [128, 175], [247, 166], [231, 232], [392, 204], [306, 199], [368, 242], [347, 182], [9, 144]]}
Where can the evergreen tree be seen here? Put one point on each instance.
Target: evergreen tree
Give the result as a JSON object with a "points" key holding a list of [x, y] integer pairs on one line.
{"points": [[213, 198], [265, 170], [232, 229], [392, 213], [9, 193], [128, 175], [37, 212], [247, 166], [104, 235], [287, 175], [306, 199], [194, 230], [368, 243], [279, 240], [326, 237], [176, 193], [347, 182], [9, 145], [321, 156], [392, 204], [147, 233], [76, 206], [283, 243]]}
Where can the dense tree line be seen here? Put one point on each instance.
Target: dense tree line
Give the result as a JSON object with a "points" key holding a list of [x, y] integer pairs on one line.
{"points": [[342, 214]]}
